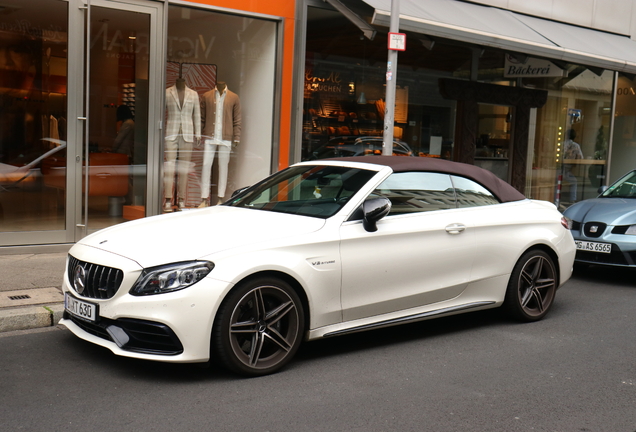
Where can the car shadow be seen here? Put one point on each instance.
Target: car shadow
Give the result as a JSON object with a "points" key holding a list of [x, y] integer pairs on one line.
{"points": [[144, 370], [623, 276], [150, 371], [309, 352], [401, 334]]}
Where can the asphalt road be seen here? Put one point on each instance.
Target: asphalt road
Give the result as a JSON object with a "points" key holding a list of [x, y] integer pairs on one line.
{"points": [[573, 371]]}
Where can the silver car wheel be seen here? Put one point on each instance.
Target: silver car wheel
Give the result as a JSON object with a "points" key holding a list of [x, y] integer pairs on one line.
{"points": [[532, 286], [260, 327]]}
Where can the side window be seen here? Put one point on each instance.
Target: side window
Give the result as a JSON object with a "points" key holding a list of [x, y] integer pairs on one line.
{"points": [[411, 192], [472, 194]]}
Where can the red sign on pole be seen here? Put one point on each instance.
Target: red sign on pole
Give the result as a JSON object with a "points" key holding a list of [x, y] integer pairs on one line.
{"points": [[397, 41]]}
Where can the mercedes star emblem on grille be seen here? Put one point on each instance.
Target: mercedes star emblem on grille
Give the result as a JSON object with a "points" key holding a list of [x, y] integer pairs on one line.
{"points": [[79, 279]]}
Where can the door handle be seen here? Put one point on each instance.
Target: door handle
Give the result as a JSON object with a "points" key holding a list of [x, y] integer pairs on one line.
{"points": [[455, 228]]}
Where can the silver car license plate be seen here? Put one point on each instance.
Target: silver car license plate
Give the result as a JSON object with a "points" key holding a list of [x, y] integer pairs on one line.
{"points": [[79, 308], [593, 246]]}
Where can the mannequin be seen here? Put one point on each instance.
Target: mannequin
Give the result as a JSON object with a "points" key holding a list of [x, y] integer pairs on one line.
{"points": [[222, 132], [183, 130]]}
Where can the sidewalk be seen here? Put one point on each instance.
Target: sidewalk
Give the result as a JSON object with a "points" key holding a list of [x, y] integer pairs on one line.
{"points": [[30, 290]]}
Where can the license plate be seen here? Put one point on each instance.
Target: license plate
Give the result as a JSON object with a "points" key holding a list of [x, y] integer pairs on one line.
{"points": [[593, 246], [79, 308]]}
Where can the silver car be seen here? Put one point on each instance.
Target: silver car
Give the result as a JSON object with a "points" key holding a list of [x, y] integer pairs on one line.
{"points": [[346, 146], [604, 228]]}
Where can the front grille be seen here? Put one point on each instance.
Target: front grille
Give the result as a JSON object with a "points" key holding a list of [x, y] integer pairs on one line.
{"points": [[146, 337], [594, 229], [100, 282]]}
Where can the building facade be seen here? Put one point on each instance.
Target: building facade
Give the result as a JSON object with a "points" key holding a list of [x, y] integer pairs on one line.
{"points": [[108, 109], [103, 114], [536, 92]]}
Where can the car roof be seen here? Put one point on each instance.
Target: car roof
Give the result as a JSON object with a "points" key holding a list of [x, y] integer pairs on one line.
{"points": [[502, 190]]}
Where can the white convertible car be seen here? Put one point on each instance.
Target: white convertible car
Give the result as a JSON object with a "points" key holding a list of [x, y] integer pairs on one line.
{"points": [[320, 249]]}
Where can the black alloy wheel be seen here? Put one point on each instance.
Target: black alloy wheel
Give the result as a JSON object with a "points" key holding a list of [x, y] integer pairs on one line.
{"points": [[259, 327], [532, 286]]}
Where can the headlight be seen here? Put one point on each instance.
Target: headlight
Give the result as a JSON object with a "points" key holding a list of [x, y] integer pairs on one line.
{"points": [[171, 277], [631, 230]]}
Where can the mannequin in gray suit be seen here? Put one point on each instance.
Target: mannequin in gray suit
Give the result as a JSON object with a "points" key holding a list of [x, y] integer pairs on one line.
{"points": [[183, 130]]}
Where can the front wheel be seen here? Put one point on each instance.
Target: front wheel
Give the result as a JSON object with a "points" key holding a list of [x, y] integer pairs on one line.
{"points": [[532, 287], [259, 327]]}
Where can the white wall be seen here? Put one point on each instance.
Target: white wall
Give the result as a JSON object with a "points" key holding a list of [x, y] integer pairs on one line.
{"points": [[616, 16]]}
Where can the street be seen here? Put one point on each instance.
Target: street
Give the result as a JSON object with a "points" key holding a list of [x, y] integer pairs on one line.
{"points": [[573, 371]]}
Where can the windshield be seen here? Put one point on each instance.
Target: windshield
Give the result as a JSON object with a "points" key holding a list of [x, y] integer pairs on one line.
{"points": [[623, 188], [309, 190]]}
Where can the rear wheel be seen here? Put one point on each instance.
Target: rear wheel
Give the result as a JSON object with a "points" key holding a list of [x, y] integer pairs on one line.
{"points": [[259, 327], [532, 286]]}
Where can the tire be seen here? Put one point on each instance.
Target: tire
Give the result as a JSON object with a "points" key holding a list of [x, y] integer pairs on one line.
{"points": [[532, 287], [259, 327]]}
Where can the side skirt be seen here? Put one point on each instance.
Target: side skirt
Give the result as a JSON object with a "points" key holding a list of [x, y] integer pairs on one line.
{"points": [[412, 318]]}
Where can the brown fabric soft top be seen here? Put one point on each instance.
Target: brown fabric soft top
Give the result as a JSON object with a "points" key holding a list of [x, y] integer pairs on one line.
{"points": [[502, 190]]}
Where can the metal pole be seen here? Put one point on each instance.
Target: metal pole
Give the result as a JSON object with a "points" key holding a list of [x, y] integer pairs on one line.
{"points": [[391, 77]]}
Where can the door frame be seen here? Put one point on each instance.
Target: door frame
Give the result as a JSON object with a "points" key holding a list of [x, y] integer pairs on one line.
{"points": [[79, 65]]}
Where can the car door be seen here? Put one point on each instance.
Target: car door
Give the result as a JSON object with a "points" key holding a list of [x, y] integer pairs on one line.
{"points": [[422, 252]]}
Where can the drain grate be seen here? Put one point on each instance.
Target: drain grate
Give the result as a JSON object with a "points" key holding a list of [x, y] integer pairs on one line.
{"points": [[30, 297]]}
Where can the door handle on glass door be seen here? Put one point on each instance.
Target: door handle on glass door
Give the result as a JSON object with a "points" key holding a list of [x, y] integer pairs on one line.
{"points": [[455, 228]]}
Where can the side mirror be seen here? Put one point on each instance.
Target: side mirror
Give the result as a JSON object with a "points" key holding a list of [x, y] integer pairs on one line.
{"points": [[603, 189], [374, 210]]}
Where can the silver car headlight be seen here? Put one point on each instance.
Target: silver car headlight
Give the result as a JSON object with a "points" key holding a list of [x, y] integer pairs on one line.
{"points": [[631, 230], [170, 277]]}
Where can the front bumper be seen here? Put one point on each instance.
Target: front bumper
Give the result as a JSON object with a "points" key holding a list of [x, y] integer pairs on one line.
{"points": [[617, 257], [171, 327], [623, 253], [146, 337]]}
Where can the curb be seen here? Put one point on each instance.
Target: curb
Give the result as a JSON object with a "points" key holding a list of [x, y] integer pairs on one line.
{"points": [[30, 317]]}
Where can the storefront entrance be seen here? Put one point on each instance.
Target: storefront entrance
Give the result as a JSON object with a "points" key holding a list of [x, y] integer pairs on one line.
{"points": [[78, 89], [122, 99]]}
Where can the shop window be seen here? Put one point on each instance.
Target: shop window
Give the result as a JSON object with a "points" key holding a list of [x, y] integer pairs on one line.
{"points": [[33, 115], [624, 137], [344, 88], [219, 105], [569, 136]]}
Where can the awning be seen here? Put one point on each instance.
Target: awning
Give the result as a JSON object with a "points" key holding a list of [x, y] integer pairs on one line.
{"points": [[500, 28]]}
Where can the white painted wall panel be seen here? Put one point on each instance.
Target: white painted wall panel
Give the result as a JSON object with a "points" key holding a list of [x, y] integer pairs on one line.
{"points": [[578, 12], [539, 8], [616, 16]]}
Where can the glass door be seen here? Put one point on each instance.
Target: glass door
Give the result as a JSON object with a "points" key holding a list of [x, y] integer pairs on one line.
{"points": [[121, 64]]}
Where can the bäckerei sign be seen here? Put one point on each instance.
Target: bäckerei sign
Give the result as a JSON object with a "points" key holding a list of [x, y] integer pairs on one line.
{"points": [[531, 67]]}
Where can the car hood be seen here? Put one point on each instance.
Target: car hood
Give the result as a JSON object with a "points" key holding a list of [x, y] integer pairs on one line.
{"points": [[612, 211], [195, 234]]}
